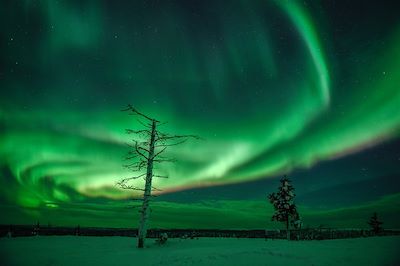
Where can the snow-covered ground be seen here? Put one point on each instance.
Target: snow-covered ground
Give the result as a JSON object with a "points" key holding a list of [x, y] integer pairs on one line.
{"points": [[71, 250]]}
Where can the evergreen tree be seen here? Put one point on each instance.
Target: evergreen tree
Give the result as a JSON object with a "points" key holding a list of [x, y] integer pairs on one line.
{"points": [[376, 225], [283, 202]]}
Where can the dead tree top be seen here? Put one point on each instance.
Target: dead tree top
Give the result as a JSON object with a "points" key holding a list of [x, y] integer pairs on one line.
{"points": [[160, 137], [135, 111], [151, 138]]}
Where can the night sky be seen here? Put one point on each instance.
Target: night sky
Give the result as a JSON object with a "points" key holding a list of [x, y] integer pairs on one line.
{"points": [[310, 89]]}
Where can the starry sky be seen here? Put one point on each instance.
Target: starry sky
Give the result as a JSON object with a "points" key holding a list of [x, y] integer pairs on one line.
{"points": [[310, 89]]}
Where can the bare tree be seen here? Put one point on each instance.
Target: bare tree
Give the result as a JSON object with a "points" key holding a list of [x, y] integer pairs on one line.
{"points": [[146, 150]]}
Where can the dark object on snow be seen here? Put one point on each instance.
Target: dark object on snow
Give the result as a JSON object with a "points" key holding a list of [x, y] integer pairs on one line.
{"points": [[36, 229], [78, 230], [376, 225], [162, 239], [9, 231], [193, 235]]}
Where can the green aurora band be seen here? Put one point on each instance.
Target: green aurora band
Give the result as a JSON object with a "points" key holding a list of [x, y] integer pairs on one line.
{"points": [[253, 78]]}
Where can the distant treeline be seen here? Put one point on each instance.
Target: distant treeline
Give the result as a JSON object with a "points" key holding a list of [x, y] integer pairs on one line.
{"points": [[298, 234]]}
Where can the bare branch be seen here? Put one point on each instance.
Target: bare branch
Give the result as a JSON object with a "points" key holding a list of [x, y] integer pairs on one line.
{"points": [[163, 123], [171, 144], [131, 165], [137, 199], [164, 160], [132, 178], [170, 137], [158, 153], [143, 124], [141, 143], [162, 157], [131, 108], [161, 176], [133, 207], [143, 131], [130, 157], [123, 185], [141, 165], [136, 166], [143, 149], [156, 189], [139, 152]]}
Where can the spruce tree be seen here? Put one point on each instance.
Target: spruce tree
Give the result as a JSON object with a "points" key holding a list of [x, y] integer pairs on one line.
{"points": [[283, 202], [376, 225]]}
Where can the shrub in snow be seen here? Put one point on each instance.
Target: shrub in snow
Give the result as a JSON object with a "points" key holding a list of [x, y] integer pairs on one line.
{"points": [[162, 238], [376, 225]]}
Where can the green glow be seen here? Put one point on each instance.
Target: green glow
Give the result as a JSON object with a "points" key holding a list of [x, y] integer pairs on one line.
{"points": [[230, 214], [253, 78], [72, 27], [305, 27]]}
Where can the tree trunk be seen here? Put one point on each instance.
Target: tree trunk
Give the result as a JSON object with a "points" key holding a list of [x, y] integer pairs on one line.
{"points": [[147, 189], [287, 228]]}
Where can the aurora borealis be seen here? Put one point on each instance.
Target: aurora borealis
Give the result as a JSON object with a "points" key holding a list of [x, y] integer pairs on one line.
{"points": [[304, 88]]}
